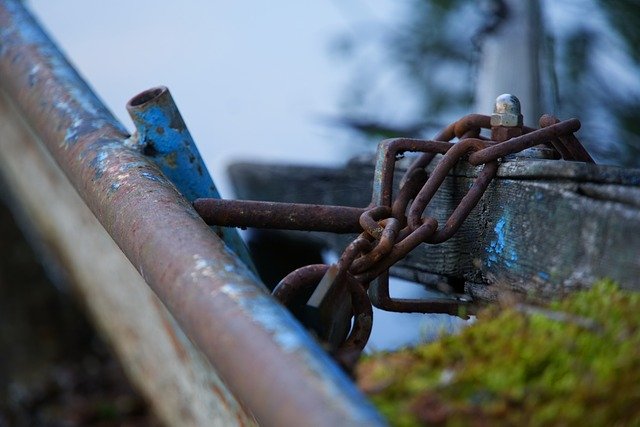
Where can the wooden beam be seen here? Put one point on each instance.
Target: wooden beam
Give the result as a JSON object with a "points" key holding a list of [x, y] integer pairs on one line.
{"points": [[542, 227]]}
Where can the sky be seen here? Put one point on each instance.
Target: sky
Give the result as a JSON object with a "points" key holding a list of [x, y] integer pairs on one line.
{"points": [[252, 80]]}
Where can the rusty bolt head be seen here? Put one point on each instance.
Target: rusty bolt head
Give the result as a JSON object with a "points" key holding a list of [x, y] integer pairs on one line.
{"points": [[506, 111]]}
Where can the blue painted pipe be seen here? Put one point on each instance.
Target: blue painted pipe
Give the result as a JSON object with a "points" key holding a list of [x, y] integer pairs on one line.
{"points": [[163, 137]]}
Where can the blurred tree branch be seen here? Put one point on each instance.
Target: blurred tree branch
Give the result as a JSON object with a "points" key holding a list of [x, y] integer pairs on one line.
{"points": [[592, 69]]}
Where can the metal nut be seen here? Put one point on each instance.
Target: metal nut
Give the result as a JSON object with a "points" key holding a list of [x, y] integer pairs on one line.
{"points": [[506, 111]]}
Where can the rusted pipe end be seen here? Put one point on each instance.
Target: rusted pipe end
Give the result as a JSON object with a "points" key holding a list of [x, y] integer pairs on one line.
{"points": [[146, 96], [154, 109], [547, 120]]}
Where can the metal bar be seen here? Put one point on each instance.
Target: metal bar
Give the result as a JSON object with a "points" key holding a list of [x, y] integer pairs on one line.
{"points": [[283, 216], [385, 163], [163, 137], [523, 142], [265, 357], [568, 145]]}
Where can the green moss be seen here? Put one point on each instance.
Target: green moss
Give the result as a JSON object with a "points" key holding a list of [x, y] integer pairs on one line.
{"points": [[576, 362]]}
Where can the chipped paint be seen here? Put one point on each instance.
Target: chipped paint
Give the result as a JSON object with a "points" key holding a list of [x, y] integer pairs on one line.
{"points": [[544, 276], [99, 164], [151, 177], [500, 248], [165, 140]]}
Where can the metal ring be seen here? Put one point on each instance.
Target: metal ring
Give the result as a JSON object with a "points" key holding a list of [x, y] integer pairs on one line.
{"points": [[298, 286]]}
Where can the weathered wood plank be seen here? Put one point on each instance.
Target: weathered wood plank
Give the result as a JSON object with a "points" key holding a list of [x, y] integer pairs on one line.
{"points": [[172, 374], [543, 226]]}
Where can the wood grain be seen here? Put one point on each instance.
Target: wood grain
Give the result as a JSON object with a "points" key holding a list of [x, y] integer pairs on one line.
{"points": [[543, 226]]}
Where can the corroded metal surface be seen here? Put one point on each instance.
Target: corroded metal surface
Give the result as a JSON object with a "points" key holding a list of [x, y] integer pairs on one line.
{"points": [[282, 216], [266, 358], [150, 345], [163, 137], [393, 227]]}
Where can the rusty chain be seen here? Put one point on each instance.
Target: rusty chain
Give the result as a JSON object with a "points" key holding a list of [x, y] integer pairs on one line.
{"points": [[327, 297]]}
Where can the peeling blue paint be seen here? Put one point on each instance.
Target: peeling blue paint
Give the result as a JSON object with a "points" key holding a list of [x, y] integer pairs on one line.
{"points": [[500, 249], [496, 247], [544, 276], [102, 163], [133, 165], [151, 177], [165, 140], [33, 75], [98, 164], [499, 229], [168, 143]]}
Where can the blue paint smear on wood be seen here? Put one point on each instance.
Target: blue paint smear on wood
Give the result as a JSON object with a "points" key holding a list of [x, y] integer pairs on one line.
{"points": [[501, 249]]}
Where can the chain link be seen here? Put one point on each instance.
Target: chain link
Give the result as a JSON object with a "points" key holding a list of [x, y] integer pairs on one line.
{"points": [[336, 300], [392, 228]]}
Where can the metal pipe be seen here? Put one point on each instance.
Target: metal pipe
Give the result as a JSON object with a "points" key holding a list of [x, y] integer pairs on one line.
{"points": [[267, 359], [163, 137], [282, 216]]}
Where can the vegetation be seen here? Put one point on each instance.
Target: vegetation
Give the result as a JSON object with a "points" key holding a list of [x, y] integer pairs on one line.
{"points": [[572, 363]]}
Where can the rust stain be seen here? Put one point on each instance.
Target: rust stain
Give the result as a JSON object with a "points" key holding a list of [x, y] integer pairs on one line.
{"points": [[171, 159]]}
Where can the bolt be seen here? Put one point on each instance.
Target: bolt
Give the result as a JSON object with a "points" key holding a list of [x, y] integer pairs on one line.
{"points": [[506, 111], [506, 120]]}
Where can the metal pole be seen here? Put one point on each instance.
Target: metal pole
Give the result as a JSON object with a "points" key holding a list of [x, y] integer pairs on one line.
{"points": [[281, 216], [510, 60], [163, 137], [267, 359]]}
